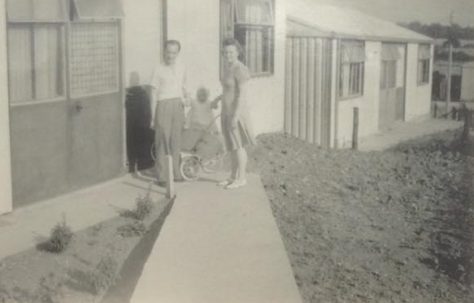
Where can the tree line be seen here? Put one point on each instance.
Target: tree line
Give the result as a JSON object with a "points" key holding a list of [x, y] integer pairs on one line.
{"points": [[440, 31]]}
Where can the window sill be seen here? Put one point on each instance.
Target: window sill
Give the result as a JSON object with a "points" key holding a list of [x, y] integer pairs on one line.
{"points": [[423, 83], [37, 102], [346, 98], [261, 75]]}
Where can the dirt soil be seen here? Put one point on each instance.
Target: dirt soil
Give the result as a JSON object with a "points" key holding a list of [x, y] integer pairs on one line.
{"points": [[38, 276], [392, 226]]}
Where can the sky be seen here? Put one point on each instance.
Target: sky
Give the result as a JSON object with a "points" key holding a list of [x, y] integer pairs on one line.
{"points": [[425, 11]]}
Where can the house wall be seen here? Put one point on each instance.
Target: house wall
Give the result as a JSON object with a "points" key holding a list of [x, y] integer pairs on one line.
{"points": [[5, 169], [467, 87], [196, 25], [417, 97], [142, 39], [368, 104]]}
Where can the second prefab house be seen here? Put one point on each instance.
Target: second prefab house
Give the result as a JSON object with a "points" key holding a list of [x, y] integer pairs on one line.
{"points": [[338, 59]]}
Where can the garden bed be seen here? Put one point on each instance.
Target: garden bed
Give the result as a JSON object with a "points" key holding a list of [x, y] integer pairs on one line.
{"points": [[392, 226], [87, 268]]}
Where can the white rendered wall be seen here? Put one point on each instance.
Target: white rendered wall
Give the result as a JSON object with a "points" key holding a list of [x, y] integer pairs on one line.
{"points": [[417, 97], [467, 85], [5, 163], [368, 104], [142, 34]]}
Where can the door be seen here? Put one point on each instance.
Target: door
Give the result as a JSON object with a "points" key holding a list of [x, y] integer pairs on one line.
{"points": [[95, 102], [65, 101], [392, 85]]}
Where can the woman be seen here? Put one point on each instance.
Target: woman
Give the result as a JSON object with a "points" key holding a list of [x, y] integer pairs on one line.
{"points": [[234, 117]]}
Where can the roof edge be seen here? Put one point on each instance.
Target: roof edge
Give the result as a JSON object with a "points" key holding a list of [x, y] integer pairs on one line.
{"points": [[331, 34]]}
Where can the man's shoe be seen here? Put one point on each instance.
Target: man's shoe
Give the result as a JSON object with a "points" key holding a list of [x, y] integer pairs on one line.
{"points": [[160, 183]]}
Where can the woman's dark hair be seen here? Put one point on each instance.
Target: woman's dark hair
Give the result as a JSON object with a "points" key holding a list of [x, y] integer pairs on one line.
{"points": [[238, 46], [173, 42]]}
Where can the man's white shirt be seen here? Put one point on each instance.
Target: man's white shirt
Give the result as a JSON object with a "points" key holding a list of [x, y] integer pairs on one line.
{"points": [[169, 81]]}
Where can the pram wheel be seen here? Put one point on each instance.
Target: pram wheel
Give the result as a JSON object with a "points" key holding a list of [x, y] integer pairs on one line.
{"points": [[190, 167]]}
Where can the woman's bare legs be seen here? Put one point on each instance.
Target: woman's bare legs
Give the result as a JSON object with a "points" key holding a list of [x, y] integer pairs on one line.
{"points": [[241, 154], [241, 166], [234, 170]]}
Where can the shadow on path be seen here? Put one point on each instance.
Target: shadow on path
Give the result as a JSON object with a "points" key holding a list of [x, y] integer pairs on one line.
{"points": [[132, 269]]}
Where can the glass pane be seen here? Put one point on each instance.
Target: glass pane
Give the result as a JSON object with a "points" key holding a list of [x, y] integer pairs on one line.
{"points": [[424, 51], [257, 51], [36, 10], [352, 51], [48, 56], [98, 8], [20, 70], [94, 58], [254, 11]]}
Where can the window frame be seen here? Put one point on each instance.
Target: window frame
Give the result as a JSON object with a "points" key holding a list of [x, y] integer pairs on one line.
{"points": [[75, 95], [62, 44], [422, 77], [390, 66], [350, 81], [266, 29], [421, 61]]}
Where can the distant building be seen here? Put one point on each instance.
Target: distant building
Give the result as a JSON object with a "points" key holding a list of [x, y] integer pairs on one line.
{"points": [[462, 81], [70, 61]]}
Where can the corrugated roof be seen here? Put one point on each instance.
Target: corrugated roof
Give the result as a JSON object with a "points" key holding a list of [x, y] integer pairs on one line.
{"points": [[348, 23]]}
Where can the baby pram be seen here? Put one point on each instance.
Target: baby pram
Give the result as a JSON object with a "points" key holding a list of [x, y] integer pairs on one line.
{"points": [[201, 151]]}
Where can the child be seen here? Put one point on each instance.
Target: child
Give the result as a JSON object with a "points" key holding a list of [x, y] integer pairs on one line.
{"points": [[200, 115], [201, 125]]}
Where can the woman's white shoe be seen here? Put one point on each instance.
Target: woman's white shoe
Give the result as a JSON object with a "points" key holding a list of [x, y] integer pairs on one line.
{"points": [[236, 184], [225, 182]]}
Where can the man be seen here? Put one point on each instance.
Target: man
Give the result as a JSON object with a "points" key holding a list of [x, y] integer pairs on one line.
{"points": [[169, 94]]}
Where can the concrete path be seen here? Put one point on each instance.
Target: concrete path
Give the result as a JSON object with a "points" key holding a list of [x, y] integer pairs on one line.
{"points": [[28, 226], [218, 246], [406, 131]]}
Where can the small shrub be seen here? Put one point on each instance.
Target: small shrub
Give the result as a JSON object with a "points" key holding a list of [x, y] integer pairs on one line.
{"points": [[135, 229], [144, 206], [60, 238], [104, 275]]}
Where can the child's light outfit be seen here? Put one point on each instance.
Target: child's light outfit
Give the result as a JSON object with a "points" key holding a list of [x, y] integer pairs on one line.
{"points": [[201, 126], [201, 116]]}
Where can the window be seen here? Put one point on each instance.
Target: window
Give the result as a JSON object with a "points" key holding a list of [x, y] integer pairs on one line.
{"points": [[94, 58], [35, 50], [424, 59], [390, 56], [351, 71], [388, 74], [251, 22]]}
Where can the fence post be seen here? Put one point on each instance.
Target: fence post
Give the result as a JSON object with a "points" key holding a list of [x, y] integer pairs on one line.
{"points": [[170, 176], [355, 129], [454, 113], [467, 123], [435, 111]]}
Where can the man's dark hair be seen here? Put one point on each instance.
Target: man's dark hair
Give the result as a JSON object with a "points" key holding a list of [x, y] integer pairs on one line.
{"points": [[173, 42]]}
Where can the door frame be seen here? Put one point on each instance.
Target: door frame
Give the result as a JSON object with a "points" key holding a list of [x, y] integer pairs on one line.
{"points": [[6, 193]]}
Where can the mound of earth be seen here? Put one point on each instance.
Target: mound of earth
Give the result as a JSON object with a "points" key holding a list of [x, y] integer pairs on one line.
{"points": [[391, 226]]}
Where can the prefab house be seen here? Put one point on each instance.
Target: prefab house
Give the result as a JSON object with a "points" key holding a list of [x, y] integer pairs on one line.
{"points": [[462, 79], [338, 59], [70, 62]]}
